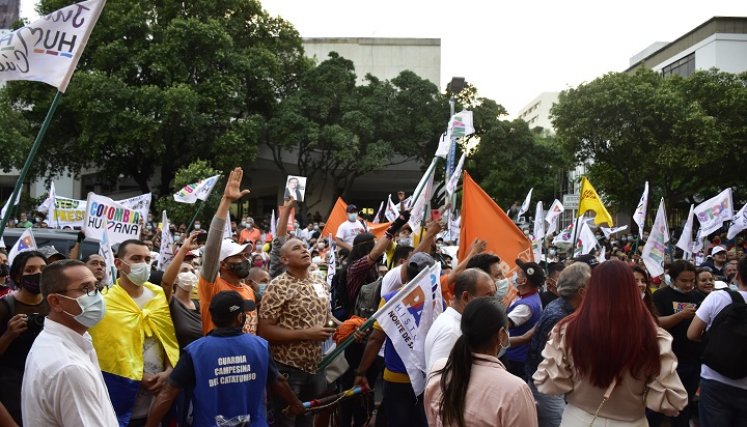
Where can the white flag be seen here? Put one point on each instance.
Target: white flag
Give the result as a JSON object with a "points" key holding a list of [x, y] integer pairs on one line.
{"points": [[332, 261], [407, 317], [24, 243], [199, 190], [420, 206], [460, 125], [392, 210], [639, 217], [103, 213], [698, 244], [525, 206], [53, 206], [565, 237], [610, 231], [539, 222], [139, 203], [602, 255], [586, 240], [686, 239], [7, 204], [656, 245], [713, 212], [739, 223], [166, 253], [454, 179], [444, 144], [377, 217], [227, 230], [48, 49], [273, 225], [105, 250], [552, 217]]}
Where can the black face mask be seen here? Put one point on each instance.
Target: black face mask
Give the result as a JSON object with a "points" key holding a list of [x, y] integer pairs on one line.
{"points": [[240, 269], [4, 271], [31, 283]]}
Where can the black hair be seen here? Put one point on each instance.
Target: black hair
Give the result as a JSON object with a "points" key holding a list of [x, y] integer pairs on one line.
{"points": [[363, 244], [555, 267], [19, 264], [481, 320], [122, 249], [53, 278], [466, 281], [401, 252], [742, 270], [680, 266], [483, 262], [88, 257]]}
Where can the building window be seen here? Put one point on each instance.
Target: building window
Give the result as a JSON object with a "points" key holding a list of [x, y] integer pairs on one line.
{"points": [[683, 66]]}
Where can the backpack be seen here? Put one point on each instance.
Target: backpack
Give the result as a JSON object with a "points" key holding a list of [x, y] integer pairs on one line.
{"points": [[368, 298], [725, 343]]}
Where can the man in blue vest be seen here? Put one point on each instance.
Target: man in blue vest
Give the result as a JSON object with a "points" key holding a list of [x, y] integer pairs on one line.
{"points": [[524, 312], [226, 372]]}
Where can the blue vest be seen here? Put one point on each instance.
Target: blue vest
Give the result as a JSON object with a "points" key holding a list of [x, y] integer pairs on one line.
{"points": [[519, 353], [230, 378]]}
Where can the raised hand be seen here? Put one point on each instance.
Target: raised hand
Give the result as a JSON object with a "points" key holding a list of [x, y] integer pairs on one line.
{"points": [[233, 191]]}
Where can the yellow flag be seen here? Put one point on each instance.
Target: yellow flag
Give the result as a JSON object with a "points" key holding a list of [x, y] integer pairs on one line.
{"points": [[589, 201]]}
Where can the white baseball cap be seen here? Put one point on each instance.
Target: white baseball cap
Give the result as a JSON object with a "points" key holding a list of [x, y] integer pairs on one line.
{"points": [[718, 249], [230, 248]]}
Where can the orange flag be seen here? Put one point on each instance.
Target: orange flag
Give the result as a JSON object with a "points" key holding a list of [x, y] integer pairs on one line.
{"points": [[482, 218], [338, 216]]}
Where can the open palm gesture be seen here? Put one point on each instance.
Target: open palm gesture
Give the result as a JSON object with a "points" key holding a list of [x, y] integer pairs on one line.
{"points": [[233, 191]]}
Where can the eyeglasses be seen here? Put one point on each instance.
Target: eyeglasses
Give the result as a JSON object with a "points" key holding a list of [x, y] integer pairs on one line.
{"points": [[88, 290]]}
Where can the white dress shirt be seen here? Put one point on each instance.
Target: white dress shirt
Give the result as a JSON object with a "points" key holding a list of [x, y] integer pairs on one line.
{"points": [[63, 385], [444, 332]]}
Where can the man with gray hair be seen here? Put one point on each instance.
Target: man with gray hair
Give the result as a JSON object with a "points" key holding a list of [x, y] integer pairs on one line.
{"points": [[571, 288]]}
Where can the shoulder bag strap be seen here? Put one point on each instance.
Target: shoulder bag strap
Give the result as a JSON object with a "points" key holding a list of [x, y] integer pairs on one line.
{"points": [[604, 400]]}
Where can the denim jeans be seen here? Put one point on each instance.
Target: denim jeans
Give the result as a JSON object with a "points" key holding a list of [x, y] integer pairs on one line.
{"points": [[403, 408], [306, 386], [722, 405], [549, 407]]}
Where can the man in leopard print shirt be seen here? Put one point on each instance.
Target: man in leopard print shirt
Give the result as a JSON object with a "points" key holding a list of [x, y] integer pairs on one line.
{"points": [[294, 311]]}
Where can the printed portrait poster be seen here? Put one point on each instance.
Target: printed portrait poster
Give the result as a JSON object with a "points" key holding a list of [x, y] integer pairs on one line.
{"points": [[295, 188]]}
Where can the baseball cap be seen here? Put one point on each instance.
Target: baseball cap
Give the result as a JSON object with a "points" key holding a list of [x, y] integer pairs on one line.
{"points": [[718, 249], [417, 263], [50, 251], [227, 304], [230, 248], [351, 209], [533, 271]]}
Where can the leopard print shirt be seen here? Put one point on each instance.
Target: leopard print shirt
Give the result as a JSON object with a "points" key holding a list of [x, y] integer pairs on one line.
{"points": [[297, 304]]}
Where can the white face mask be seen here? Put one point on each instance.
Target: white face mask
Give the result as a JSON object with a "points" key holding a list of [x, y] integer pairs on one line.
{"points": [[186, 280], [139, 273], [501, 286], [352, 216], [92, 309]]}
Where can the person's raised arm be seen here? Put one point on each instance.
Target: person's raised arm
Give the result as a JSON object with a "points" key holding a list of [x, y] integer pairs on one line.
{"points": [[231, 193], [283, 216], [426, 244], [75, 250], [478, 247], [169, 276], [383, 243], [276, 266]]}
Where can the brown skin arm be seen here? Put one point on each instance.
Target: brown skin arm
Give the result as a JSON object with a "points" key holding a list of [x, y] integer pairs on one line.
{"points": [[162, 404], [375, 341], [281, 388], [478, 246], [169, 276], [426, 244], [283, 216]]}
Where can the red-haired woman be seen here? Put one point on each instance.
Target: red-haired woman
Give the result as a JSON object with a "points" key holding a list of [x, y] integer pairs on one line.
{"points": [[610, 358]]}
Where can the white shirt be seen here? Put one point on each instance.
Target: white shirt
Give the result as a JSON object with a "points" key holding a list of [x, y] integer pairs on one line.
{"points": [[442, 336], [392, 280], [520, 314], [63, 385], [348, 230], [707, 312]]}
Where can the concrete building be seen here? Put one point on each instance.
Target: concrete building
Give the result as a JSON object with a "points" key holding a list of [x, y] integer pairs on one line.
{"points": [[537, 112], [720, 42]]}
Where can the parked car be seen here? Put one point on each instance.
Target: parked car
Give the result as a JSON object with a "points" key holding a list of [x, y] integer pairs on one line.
{"points": [[62, 240]]}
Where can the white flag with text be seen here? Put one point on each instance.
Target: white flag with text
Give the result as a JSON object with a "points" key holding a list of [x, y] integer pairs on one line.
{"points": [[656, 245]]}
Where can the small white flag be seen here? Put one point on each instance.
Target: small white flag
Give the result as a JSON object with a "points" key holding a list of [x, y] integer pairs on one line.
{"points": [[420, 206], [610, 231], [602, 255], [53, 207], [587, 241], [739, 223], [7, 204], [556, 209], [539, 222], [392, 210], [525, 206], [273, 225], [639, 217], [713, 212], [105, 250], [166, 253], [686, 239], [24, 243], [656, 245], [451, 185], [377, 217], [332, 261], [199, 190], [460, 125], [227, 230], [443, 146]]}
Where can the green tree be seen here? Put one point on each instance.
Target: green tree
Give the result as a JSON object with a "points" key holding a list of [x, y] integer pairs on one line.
{"points": [[160, 84], [181, 212], [678, 133], [510, 158], [332, 130]]}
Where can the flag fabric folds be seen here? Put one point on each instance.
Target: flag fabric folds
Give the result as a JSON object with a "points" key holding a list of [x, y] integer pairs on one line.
{"points": [[656, 245], [589, 201], [686, 239], [713, 212], [24, 243], [639, 217], [197, 191]]}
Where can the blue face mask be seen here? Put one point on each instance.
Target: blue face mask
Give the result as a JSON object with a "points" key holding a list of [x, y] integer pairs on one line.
{"points": [[352, 216], [503, 349], [92, 309], [262, 288], [501, 287]]}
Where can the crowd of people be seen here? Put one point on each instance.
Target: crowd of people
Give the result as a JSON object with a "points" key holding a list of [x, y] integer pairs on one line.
{"points": [[232, 331]]}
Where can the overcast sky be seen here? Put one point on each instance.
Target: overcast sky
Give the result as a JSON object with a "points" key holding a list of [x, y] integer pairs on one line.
{"points": [[512, 51]]}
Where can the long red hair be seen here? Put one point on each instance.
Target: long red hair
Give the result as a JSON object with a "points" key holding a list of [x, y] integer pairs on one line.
{"points": [[612, 332]]}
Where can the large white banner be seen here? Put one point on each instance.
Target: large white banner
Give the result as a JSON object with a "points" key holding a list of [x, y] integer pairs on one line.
{"points": [[68, 213], [407, 317], [103, 213], [713, 212], [656, 245], [48, 49]]}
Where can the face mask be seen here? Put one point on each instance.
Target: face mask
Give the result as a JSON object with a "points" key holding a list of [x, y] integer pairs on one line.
{"points": [[315, 228], [186, 280], [240, 269], [320, 245], [31, 283], [503, 349], [92, 309], [262, 287], [4, 271], [667, 279], [197, 226], [352, 216], [139, 273], [501, 287], [405, 241]]}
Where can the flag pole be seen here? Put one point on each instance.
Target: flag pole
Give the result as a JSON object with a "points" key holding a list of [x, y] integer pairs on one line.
{"points": [[32, 153], [194, 217], [419, 189]]}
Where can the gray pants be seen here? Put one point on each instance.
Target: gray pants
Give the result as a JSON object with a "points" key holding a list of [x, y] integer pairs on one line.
{"points": [[306, 386]]}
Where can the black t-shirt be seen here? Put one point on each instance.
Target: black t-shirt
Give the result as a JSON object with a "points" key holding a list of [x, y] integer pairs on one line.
{"points": [[666, 301], [187, 323], [547, 297]]}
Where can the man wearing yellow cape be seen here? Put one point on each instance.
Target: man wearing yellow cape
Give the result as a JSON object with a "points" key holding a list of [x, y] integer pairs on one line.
{"points": [[135, 342]]}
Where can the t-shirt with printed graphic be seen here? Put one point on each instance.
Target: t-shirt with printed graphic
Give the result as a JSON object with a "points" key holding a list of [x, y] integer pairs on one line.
{"points": [[348, 230], [297, 304]]}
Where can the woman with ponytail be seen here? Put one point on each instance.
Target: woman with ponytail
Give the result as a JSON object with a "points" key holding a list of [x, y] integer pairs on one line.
{"points": [[472, 387]]}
